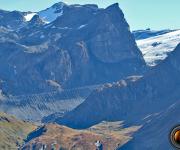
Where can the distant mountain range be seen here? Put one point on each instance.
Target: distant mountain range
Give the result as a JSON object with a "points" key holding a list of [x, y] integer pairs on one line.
{"points": [[148, 33]]}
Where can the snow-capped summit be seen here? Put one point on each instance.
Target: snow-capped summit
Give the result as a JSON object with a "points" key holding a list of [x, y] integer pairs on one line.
{"points": [[50, 14], [157, 46], [59, 5], [29, 15]]}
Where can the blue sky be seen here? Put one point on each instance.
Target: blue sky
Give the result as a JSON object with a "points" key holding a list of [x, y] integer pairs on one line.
{"points": [[140, 14]]}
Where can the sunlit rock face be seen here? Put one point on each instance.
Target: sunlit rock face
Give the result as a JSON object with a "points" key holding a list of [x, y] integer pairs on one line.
{"points": [[111, 42]]}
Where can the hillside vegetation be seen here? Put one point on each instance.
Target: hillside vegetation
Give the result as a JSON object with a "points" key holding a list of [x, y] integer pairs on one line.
{"points": [[13, 131], [111, 135]]}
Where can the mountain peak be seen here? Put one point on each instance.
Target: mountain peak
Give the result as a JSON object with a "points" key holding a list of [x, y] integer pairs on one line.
{"points": [[36, 20], [115, 12], [50, 14], [113, 6], [59, 5]]}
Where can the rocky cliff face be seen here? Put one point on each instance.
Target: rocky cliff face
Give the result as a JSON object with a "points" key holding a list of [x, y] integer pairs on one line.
{"points": [[133, 101], [92, 46]]}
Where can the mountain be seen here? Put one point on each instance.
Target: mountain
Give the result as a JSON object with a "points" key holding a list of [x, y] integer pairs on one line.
{"points": [[156, 131], [13, 131], [148, 33], [12, 20], [80, 66], [36, 21], [16, 20], [110, 134], [154, 92], [156, 45], [48, 15], [44, 51]]}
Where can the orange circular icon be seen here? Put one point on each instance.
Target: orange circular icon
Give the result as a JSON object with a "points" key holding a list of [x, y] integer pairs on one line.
{"points": [[175, 137]]}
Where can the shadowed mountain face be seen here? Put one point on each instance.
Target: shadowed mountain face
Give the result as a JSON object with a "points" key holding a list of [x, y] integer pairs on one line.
{"points": [[157, 90], [82, 45], [157, 131]]}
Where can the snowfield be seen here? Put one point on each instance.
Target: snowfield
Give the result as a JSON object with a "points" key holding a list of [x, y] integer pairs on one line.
{"points": [[29, 16], [155, 49], [48, 15]]}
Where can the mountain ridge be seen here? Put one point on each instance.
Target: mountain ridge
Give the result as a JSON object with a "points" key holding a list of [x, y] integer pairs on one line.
{"points": [[124, 103], [67, 52]]}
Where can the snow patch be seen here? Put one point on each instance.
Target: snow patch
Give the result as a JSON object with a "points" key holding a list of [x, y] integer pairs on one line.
{"points": [[157, 48], [36, 48], [54, 84], [29, 16], [2, 97], [64, 28], [15, 71], [42, 36], [50, 14], [82, 26]]}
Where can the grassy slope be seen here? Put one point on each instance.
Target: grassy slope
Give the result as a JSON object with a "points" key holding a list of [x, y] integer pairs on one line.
{"points": [[111, 135], [13, 131]]}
